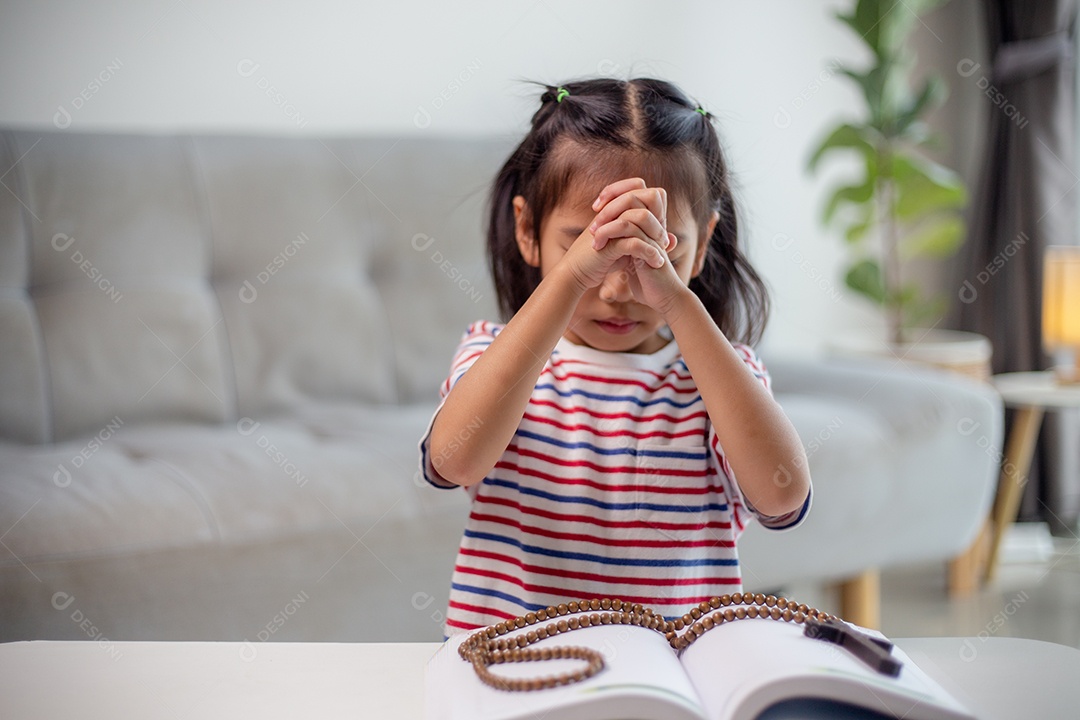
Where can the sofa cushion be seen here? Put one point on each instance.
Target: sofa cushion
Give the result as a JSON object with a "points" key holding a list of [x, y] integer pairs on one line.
{"points": [[115, 275], [293, 237], [157, 487]]}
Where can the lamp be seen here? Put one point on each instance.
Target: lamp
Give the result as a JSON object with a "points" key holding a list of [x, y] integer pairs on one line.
{"points": [[1061, 307]]}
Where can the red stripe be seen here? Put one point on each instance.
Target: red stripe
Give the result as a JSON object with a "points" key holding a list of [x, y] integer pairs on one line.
{"points": [[569, 518], [463, 626], [566, 592], [604, 469], [619, 415], [657, 489], [606, 579], [620, 381], [697, 433], [463, 360], [735, 501], [559, 360], [481, 610], [581, 537]]}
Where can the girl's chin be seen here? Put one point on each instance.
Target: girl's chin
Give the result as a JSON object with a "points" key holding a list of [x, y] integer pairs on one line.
{"points": [[630, 341]]}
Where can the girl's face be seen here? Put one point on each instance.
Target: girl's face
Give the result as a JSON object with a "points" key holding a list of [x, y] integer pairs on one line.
{"points": [[607, 316]]}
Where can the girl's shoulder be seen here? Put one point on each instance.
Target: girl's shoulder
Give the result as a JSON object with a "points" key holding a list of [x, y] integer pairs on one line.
{"points": [[483, 327], [480, 331]]}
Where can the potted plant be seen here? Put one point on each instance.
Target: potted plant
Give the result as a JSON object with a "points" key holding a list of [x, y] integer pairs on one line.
{"points": [[903, 205]]}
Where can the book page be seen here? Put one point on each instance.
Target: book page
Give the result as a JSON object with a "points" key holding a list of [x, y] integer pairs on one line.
{"points": [[742, 668], [642, 680]]}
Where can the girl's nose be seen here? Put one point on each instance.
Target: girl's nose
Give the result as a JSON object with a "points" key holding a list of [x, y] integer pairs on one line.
{"points": [[616, 287]]}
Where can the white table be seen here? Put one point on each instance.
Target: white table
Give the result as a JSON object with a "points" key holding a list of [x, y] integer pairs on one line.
{"points": [[996, 677], [1031, 394]]}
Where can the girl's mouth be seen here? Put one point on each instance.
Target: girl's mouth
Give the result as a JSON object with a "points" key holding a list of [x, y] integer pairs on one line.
{"points": [[617, 326]]}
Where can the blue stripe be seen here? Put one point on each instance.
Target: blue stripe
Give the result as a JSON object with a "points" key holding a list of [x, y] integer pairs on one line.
{"points": [[635, 562], [497, 594], [720, 507], [618, 398], [687, 455], [424, 470], [527, 607], [802, 513]]}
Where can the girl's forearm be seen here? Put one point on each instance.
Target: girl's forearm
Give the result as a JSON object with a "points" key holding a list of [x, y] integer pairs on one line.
{"points": [[494, 392], [760, 443]]}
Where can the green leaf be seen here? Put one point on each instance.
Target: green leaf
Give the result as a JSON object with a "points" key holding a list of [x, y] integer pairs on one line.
{"points": [[853, 194], [940, 237], [865, 20], [864, 277], [932, 94], [870, 83], [845, 136], [923, 187], [858, 229]]}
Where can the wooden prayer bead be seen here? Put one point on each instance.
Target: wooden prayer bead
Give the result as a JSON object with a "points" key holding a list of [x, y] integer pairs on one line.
{"points": [[485, 647]]}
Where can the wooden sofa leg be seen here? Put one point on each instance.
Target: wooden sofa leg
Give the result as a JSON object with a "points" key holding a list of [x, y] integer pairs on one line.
{"points": [[860, 599], [966, 569]]}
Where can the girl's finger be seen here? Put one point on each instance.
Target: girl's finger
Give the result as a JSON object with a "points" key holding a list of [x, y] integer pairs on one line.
{"points": [[615, 189], [633, 205], [652, 199], [636, 247], [633, 223]]}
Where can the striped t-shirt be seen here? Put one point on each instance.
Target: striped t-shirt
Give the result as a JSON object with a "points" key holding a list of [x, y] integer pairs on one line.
{"points": [[614, 485]]}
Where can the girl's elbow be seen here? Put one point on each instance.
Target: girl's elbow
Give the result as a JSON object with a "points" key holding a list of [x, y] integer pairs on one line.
{"points": [[453, 465], [788, 492]]}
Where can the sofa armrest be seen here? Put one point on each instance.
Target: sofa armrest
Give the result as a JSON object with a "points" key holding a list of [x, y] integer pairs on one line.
{"points": [[904, 463]]}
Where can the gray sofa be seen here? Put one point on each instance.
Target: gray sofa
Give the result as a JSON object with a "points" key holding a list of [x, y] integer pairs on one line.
{"points": [[219, 353]]}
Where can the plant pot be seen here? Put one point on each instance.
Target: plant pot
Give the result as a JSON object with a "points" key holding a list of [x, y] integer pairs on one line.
{"points": [[961, 352]]}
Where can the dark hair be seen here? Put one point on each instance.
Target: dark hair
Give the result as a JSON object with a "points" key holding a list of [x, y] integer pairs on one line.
{"points": [[650, 128]]}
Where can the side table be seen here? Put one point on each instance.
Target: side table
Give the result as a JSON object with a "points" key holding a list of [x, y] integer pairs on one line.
{"points": [[1031, 394]]}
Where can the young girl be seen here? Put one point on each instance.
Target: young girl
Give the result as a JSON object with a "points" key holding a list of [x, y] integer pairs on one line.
{"points": [[615, 435]]}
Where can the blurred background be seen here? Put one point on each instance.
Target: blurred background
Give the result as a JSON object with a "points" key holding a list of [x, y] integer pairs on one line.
{"points": [[766, 70]]}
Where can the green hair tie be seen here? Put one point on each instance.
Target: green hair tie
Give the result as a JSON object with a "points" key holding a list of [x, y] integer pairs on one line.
{"points": [[563, 92], [702, 111]]}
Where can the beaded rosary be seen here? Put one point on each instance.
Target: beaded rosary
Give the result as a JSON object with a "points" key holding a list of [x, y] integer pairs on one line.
{"points": [[484, 647]]}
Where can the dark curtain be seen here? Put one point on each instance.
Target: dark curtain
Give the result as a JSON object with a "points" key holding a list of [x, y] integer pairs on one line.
{"points": [[1026, 199]]}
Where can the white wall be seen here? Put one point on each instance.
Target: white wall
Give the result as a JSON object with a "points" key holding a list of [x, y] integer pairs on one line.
{"points": [[327, 66]]}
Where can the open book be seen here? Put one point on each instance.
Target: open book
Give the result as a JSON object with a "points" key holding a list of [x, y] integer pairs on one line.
{"points": [[733, 672]]}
